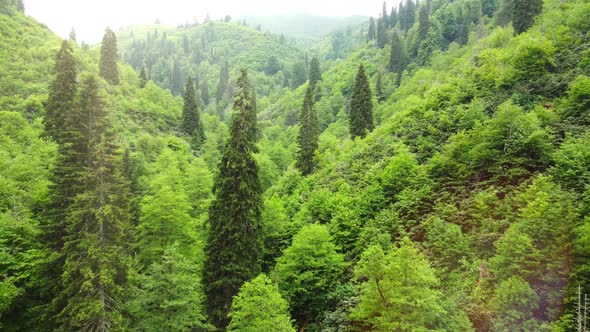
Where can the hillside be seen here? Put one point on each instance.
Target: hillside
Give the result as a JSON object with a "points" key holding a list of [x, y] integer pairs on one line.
{"points": [[462, 206]]}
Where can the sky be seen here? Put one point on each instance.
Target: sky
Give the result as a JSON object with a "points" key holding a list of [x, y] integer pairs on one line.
{"points": [[89, 18]]}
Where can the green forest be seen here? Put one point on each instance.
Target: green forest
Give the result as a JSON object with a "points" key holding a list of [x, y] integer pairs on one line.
{"points": [[424, 170]]}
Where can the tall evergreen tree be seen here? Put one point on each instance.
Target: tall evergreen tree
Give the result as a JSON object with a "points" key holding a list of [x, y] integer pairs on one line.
{"points": [[361, 107], [402, 18], [524, 13], [142, 78], [176, 78], [379, 87], [393, 18], [62, 91], [397, 57], [234, 244], [315, 74], [381, 33], [205, 91], [384, 16], [222, 88], [409, 14], [371, 34], [307, 140], [191, 119], [96, 266], [73, 35], [108, 58]]}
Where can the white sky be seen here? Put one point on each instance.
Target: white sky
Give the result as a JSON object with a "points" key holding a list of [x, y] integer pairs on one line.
{"points": [[90, 17]]}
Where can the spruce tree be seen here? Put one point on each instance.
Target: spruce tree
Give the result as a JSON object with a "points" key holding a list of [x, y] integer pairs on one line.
{"points": [[191, 119], [397, 58], [409, 14], [176, 78], [379, 88], [234, 244], [73, 35], [108, 58], [384, 16], [371, 33], [524, 13], [361, 108], [307, 140], [62, 91], [142, 78], [381, 35], [423, 26], [315, 75], [205, 91], [96, 266], [222, 88], [393, 18]]}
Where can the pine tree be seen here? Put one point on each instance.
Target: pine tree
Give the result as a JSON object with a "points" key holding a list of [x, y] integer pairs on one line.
{"points": [[381, 34], [108, 58], [191, 119], [524, 13], [315, 74], [222, 88], [371, 34], [409, 14], [423, 26], [142, 78], [397, 59], [384, 16], [61, 92], [402, 17], [307, 140], [234, 244], [361, 108], [393, 18], [96, 266]]}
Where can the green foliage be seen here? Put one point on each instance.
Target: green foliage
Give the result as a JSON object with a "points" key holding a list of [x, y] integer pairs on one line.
{"points": [[513, 306], [234, 244], [361, 106], [315, 74], [309, 270], [371, 33], [191, 119], [524, 13], [398, 57], [307, 140], [108, 58], [259, 307]]}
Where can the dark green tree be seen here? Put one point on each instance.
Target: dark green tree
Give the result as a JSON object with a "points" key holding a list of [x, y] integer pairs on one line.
{"points": [[62, 91], [379, 87], [361, 107], [98, 223], [423, 26], [108, 58], [409, 14], [371, 33], [381, 33], [234, 244], [191, 119], [393, 18], [205, 91], [524, 13], [142, 78], [315, 74], [398, 58], [299, 74], [307, 140], [384, 16], [427, 47]]}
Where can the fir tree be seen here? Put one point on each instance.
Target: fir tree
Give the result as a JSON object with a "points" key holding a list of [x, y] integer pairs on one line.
{"points": [[191, 120], [384, 16], [379, 88], [307, 140], [381, 36], [222, 88], [205, 91], [96, 266], [142, 78], [371, 33], [393, 18], [397, 58], [409, 14], [234, 244], [108, 58], [61, 92], [423, 26], [361, 108], [176, 78], [524, 13], [73, 35], [315, 75]]}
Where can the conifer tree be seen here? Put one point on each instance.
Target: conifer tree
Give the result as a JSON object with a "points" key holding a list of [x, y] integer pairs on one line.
{"points": [[176, 78], [379, 88], [205, 91], [234, 244], [73, 35], [307, 140], [381, 36], [524, 13], [142, 78], [191, 119], [371, 33], [384, 16], [96, 267], [315, 75], [409, 14], [397, 58], [361, 108], [61, 92], [108, 58], [423, 26], [222, 88], [393, 18], [402, 17]]}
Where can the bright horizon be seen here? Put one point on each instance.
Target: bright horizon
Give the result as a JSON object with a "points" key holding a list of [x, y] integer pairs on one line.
{"points": [[89, 18]]}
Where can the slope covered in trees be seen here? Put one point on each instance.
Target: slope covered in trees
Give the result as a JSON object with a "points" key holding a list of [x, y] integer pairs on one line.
{"points": [[462, 206]]}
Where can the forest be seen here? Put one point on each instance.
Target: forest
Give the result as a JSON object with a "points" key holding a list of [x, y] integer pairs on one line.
{"points": [[424, 170]]}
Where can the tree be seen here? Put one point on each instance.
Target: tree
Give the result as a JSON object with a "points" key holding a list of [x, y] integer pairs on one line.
{"points": [[524, 13], [409, 14], [308, 272], [73, 35], [428, 46], [108, 58], [423, 27], [381, 33], [272, 65], [20, 6], [62, 91], [384, 16], [397, 58], [299, 74], [399, 293], [315, 74], [191, 119], [379, 88], [361, 107], [308, 137], [260, 307], [96, 266], [142, 78], [393, 18], [234, 244], [513, 306], [176, 78], [371, 33], [205, 91]]}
